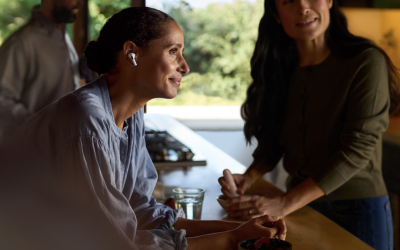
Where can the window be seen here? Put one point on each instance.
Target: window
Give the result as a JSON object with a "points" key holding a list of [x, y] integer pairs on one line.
{"points": [[13, 14], [220, 37], [100, 11]]}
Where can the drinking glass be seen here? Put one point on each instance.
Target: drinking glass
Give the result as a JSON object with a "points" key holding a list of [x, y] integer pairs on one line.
{"points": [[190, 200]]}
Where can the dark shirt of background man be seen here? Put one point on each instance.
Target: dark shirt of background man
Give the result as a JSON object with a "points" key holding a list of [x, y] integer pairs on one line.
{"points": [[38, 65]]}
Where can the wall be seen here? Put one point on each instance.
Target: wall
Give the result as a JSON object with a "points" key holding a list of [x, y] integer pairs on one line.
{"points": [[382, 26]]}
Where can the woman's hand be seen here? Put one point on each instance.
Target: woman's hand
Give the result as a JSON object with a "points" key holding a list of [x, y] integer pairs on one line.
{"points": [[250, 206], [243, 182], [269, 226], [264, 226]]}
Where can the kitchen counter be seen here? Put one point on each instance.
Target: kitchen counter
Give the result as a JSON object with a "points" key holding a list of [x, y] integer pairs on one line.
{"points": [[307, 229]]}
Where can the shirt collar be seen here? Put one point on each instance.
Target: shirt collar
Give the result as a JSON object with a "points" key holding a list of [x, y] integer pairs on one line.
{"points": [[107, 105], [50, 26]]}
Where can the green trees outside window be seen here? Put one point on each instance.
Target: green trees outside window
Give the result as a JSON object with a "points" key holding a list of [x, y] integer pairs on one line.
{"points": [[13, 14], [219, 42], [100, 11]]}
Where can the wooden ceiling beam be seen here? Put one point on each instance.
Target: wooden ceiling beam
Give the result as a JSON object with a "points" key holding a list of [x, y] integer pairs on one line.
{"points": [[81, 29], [138, 3]]}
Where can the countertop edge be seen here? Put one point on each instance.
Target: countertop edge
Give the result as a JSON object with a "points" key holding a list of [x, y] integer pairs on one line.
{"points": [[391, 139]]}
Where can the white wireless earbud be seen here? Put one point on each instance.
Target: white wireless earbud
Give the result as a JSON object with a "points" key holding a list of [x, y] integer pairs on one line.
{"points": [[133, 56]]}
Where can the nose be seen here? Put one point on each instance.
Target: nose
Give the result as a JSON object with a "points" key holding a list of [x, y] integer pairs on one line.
{"points": [[183, 67], [304, 7]]}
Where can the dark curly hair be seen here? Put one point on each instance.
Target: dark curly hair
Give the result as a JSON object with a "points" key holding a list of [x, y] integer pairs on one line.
{"points": [[137, 24]]}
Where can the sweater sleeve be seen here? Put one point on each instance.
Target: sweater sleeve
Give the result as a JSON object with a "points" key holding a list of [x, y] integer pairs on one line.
{"points": [[366, 119]]}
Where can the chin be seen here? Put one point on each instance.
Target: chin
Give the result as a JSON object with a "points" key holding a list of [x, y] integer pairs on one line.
{"points": [[171, 95], [168, 96], [307, 38]]}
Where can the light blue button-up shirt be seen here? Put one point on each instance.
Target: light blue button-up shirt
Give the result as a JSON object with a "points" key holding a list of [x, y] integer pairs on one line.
{"points": [[75, 140]]}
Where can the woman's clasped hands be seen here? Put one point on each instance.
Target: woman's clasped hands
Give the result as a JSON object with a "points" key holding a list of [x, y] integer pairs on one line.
{"points": [[269, 226], [247, 206]]}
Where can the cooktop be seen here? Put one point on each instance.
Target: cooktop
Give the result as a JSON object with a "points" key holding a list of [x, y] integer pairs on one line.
{"points": [[167, 152]]}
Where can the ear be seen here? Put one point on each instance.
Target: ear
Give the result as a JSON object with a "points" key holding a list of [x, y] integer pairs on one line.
{"points": [[330, 3], [130, 47], [276, 18]]}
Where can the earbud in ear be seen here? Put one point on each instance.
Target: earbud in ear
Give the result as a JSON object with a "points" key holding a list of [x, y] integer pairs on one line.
{"points": [[133, 56]]}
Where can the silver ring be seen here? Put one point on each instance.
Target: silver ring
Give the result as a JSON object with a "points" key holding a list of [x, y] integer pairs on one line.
{"points": [[250, 211]]}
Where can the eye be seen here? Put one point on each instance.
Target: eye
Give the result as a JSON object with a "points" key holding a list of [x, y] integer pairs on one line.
{"points": [[173, 51], [288, 1]]}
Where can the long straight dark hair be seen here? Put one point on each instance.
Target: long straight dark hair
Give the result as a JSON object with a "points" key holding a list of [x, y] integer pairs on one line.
{"points": [[272, 64]]}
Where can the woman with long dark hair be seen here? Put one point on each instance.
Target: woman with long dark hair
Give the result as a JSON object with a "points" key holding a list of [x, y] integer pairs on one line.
{"points": [[321, 99], [77, 175]]}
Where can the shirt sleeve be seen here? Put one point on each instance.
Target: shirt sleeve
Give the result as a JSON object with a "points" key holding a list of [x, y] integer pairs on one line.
{"points": [[366, 119], [13, 69], [84, 164], [150, 213]]}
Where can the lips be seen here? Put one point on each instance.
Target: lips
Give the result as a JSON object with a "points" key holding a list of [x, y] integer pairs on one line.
{"points": [[176, 80], [307, 22]]}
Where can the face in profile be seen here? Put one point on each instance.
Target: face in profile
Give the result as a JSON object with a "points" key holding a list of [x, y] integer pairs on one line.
{"points": [[304, 20], [162, 64], [65, 11]]}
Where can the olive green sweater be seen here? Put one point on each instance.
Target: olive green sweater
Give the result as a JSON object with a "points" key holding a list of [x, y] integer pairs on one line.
{"points": [[335, 115]]}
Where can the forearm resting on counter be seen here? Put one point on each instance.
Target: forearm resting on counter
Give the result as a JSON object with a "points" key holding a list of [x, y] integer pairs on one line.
{"points": [[198, 227]]}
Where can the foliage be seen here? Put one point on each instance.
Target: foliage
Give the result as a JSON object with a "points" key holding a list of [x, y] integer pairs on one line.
{"points": [[219, 42], [13, 14], [100, 11]]}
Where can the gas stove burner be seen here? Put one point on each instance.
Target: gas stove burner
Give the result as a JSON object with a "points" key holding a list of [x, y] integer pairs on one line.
{"points": [[163, 147]]}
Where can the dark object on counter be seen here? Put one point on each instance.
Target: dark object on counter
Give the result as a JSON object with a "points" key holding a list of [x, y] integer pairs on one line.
{"points": [[275, 244], [249, 244], [164, 147], [170, 203]]}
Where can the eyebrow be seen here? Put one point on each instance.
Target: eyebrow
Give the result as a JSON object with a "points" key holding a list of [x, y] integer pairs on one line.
{"points": [[175, 44]]}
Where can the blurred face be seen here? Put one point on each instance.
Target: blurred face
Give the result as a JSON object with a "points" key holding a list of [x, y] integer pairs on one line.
{"points": [[161, 65], [304, 20], [65, 11]]}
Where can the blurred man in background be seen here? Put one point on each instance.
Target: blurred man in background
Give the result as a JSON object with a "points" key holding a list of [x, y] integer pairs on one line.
{"points": [[38, 63]]}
